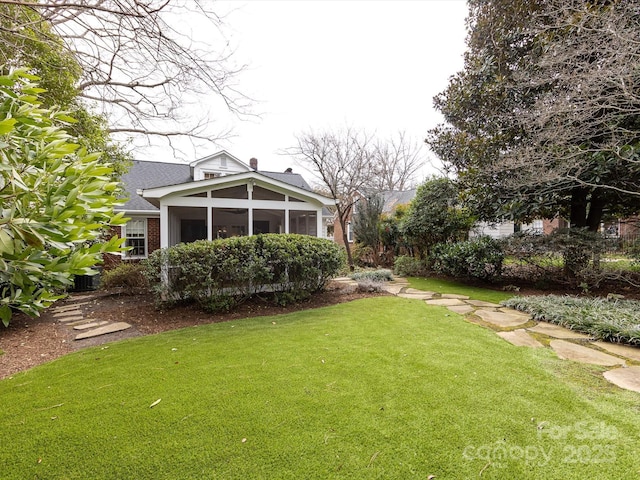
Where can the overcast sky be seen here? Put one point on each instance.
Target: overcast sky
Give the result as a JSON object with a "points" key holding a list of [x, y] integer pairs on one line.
{"points": [[374, 65]]}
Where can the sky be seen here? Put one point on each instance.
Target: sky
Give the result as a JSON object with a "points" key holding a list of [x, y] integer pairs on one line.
{"points": [[324, 65]]}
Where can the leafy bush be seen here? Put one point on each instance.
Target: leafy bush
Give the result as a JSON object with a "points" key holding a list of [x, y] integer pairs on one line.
{"points": [[407, 266], [380, 275], [478, 258], [612, 320], [219, 274], [125, 274]]}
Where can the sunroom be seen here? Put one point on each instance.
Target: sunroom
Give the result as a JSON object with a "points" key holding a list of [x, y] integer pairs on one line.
{"points": [[247, 203]]}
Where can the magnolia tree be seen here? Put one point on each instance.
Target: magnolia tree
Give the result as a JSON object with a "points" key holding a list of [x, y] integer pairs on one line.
{"points": [[56, 202]]}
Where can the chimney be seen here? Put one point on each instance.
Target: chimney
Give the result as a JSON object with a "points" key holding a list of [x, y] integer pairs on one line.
{"points": [[289, 170], [253, 163]]}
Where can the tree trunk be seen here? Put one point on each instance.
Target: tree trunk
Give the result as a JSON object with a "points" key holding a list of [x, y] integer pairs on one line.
{"points": [[596, 207], [578, 214]]}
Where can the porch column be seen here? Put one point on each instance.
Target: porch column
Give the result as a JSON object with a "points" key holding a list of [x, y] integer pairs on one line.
{"points": [[209, 223], [286, 214], [164, 226], [319, 224], [250, 212]]}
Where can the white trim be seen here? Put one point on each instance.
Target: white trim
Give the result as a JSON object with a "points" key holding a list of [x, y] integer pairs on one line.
{"points": [[126, 255], [190, 188]]}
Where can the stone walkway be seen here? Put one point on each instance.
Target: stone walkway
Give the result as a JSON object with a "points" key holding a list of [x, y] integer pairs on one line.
{"points": [[519, 329], [72, 315]]}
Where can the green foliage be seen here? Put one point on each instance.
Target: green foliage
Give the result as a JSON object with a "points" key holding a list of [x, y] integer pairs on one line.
{"points": [[222, 273], [521, 131], [435, 216], [407, 266], [56, 201], [613, 320], [479, 258], [124, 275]]}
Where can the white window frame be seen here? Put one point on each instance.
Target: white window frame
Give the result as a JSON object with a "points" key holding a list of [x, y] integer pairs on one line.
{"points": [[127, 254], [349, 233]]}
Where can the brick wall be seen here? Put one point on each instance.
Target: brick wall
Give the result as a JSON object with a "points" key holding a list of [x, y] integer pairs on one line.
{"points": [[153, 233]]}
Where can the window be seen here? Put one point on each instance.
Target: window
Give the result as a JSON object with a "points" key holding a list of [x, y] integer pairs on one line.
{"points": [[135, 234], [349, 233], [210, 175]]}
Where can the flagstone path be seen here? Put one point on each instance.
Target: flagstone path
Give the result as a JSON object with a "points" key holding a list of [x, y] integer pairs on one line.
{"points": [[521, 330], [71, 314]]}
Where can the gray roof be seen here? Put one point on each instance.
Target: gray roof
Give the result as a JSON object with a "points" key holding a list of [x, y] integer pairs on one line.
{"points": [[143, 174], [294, 179], [393, 198]]}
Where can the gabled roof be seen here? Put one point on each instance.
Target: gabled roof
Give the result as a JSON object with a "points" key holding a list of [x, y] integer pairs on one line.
{"points": [[146, 175], [219, 154], [187, 188]]}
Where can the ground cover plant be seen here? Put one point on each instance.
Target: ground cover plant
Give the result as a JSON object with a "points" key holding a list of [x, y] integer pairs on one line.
{"points": [[443, 285], [613, 319], [378, 388]]}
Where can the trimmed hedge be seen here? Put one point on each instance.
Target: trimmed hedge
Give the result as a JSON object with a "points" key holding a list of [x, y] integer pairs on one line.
{"points": [[219, 274]]}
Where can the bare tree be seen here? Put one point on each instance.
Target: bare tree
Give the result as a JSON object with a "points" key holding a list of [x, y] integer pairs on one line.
{"points": [[397, 161], [139, 60], [343, 164]]}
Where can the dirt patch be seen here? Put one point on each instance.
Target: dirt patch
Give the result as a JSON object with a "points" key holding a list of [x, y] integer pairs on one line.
{"points": [[28, 342]]}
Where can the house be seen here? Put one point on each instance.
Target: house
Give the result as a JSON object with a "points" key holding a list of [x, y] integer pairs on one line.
{"points": [[217, 196]]}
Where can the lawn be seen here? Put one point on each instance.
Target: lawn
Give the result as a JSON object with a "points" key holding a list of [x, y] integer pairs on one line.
{"points": [[378, 388], [441, 285]]}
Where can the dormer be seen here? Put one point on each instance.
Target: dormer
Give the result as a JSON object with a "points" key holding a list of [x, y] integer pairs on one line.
{"points": [[217, 165]]}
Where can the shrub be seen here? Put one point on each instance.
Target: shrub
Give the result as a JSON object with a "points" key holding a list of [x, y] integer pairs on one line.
{"points": [[405, 265], [478, 258], [126, 275], [219, 274], [380, 275]]}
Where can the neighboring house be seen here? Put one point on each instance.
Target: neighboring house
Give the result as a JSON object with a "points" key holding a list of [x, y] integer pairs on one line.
{"points": [[217, 196]]}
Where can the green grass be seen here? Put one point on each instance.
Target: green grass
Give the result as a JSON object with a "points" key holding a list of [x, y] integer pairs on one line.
{"points": [[378, 388], [440, 285]]}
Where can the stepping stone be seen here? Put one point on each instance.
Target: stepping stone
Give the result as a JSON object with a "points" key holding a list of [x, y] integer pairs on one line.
{"points": [[84, 326], [461, 309], [627, 378], [416, 291], [454, 295], [111, 328], [75, 318], [445, 302], [80, 322], [88, 296], [556, 331], [627, 351], [64, 308], [520, 338], [480, 303], [416, 296], [578, 353], [68, 313], [393, 289], [503, 319]]}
